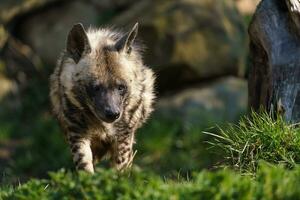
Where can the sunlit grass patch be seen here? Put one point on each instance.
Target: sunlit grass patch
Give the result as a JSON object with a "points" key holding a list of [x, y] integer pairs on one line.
{"points": [[259, 137]]}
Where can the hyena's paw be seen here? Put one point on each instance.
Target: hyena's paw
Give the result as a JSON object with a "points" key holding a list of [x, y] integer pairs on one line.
{"points": [[82, 154], [124, 161], [88, 167]]}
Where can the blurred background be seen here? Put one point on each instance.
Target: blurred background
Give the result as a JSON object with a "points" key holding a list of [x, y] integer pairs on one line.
{"points": [[198, 49]]}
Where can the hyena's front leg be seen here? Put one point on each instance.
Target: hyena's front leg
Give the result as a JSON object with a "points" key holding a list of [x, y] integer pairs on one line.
{"points": [[123, 153], [81, 152]]}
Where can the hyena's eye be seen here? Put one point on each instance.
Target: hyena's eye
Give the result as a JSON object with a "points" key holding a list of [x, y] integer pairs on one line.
{"points": [[122, 89], [96, 88]]}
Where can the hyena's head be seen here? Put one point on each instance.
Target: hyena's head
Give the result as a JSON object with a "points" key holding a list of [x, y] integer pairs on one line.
{"points": [[99, 71]]}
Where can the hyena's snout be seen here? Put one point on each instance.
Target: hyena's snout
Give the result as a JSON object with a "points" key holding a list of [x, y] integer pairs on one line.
{"points": [[111, 114], [109, 107]]}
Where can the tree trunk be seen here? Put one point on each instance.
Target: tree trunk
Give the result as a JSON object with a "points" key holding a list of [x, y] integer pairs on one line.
{"points": [[274, 75]]}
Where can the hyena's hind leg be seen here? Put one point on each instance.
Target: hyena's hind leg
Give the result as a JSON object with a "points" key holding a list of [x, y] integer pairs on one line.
{"points": [[81, 152], [123, 153]]}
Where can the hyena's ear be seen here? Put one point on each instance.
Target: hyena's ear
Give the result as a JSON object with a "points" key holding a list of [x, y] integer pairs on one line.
{"points": [[125, 42], [78, 43]]}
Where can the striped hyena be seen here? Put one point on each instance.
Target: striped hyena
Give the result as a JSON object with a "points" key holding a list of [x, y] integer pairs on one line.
{"points": [[101, 92]]}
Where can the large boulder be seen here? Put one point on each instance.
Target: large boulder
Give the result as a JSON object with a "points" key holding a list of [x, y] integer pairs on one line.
{"points": [[44, 24], [46, 31], [222, 101], [189, 40], [11, 9], [17, 61]]}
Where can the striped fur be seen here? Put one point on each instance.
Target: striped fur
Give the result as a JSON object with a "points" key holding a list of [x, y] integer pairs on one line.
{"points": [[101, 62]]}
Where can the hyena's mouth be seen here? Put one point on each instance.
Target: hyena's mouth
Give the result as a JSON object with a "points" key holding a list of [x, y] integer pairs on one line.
{"points": [[108, 117]]}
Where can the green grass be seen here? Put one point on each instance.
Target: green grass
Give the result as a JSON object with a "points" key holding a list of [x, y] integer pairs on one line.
{"points": [[271, 182], [259, 137], [168, 147]]}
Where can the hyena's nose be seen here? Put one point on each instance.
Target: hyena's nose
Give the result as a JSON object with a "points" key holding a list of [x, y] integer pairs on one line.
{"points": [[112, 115]]}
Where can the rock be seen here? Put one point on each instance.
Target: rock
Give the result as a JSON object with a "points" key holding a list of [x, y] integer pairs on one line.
{"points": [[189, 40], [19, 62], [46, 31], [247, 7], [222, 101], [7, 86], [9, 9], [44, 24], [112, 4]]}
